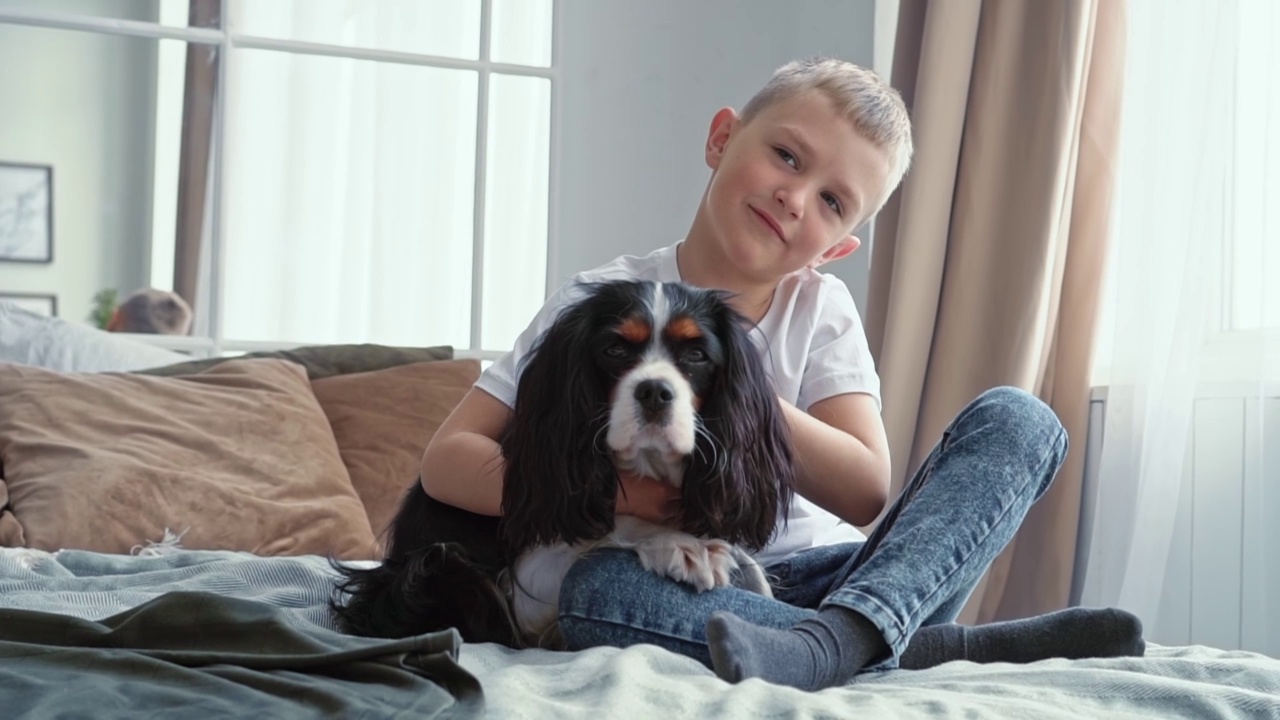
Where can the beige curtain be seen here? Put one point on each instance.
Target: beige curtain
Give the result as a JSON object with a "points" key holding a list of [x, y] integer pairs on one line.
{"points": [[987, 264]]}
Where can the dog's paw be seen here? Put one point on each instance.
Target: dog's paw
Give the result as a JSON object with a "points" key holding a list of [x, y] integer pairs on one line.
{"points": [[704, 564], [720, 555]]}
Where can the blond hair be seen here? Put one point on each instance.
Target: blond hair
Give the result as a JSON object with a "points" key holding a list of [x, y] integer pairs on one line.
{"points": [[873, 107]]}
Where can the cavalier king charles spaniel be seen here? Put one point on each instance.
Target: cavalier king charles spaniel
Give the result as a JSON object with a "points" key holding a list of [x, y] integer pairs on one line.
{"points": [[657, 379]]}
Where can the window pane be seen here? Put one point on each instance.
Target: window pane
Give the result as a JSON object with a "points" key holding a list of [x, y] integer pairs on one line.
{"points": [[1255, 241], [516, 199], [349, 201], [448, 28], [521, 32], [102, 117], [174, 13]]}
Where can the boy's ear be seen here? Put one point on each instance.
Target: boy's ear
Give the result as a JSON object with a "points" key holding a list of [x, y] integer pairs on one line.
{"points": [[722, 126], [846, 246]]}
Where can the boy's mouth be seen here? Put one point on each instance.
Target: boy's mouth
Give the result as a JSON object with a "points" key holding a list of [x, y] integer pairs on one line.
{"points": [[769, 222]]}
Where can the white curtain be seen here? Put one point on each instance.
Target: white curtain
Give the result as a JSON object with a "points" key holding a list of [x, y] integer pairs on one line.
{"points": [[350, 184], [1190, 300]]}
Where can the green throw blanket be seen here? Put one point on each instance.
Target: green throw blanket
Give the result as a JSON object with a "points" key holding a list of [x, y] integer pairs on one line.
{"points": [[200, 655]]}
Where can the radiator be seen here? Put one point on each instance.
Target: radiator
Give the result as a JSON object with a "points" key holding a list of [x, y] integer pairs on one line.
{"points": [[1222, 580]]}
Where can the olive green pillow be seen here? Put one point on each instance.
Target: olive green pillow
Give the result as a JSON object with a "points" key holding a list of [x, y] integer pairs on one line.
{"points": [[322, 361]]}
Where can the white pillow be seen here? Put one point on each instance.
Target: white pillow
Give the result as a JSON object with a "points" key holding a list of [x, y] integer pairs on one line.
{"points": [[28, 338]]}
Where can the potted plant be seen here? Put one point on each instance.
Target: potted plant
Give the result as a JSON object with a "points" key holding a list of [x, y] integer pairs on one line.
{"points": [[104, 306]]}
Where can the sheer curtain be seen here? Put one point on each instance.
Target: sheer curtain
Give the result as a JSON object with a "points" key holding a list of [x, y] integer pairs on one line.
{"points": [[351, 184], [1188, 308]]}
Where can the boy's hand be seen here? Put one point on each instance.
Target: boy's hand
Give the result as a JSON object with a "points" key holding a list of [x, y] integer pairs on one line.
{"points": [[648, 499]]}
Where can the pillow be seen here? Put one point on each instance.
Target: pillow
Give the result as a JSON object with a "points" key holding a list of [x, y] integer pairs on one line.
{"points": [[322, 361], [32, 339], [239, 457], [383, 420]]}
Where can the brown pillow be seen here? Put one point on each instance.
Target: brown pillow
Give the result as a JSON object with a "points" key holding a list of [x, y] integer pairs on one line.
{"points": [[383, 420], [239, 457], [322, 361]]}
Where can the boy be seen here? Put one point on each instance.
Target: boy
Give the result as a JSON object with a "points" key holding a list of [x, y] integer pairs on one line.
{"points": [[811, 158]]}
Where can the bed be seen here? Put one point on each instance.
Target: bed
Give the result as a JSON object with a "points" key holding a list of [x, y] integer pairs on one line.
{"points": [[166, 524], [491, 681]]}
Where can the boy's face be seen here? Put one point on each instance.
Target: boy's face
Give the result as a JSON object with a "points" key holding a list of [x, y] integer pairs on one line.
{"points": [[789, 187]]}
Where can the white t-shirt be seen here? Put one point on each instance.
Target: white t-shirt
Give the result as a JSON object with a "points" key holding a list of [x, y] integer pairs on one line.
{"points": [[811, 338]]}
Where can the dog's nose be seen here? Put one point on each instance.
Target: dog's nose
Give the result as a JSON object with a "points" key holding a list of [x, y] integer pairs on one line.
{"points": [[655, 396]]}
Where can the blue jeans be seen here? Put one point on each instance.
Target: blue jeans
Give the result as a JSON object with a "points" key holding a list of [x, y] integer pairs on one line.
{"points": [[918, 567]]}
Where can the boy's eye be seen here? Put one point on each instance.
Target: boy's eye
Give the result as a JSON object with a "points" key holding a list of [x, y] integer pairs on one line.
{"points": [[786, 156], [834, 202]]}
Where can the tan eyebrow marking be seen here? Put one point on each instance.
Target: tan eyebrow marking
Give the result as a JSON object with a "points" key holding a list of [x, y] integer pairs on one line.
{"points": [[683, 328], [635, 329]]}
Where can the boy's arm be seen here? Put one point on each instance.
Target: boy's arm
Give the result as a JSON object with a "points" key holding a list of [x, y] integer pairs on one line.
{"points": [[842, 456], [463, 465]]}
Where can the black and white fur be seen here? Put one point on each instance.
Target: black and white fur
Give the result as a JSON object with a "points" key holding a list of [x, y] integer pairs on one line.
{"points": [[659, 379]]}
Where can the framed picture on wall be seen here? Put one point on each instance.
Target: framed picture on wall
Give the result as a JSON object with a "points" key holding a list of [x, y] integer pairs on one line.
{"points": [[26, 213], [38, 303]]}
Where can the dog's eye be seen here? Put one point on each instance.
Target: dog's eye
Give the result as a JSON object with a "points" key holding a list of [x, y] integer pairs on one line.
{"points": [[616, 351], [695, 356]]}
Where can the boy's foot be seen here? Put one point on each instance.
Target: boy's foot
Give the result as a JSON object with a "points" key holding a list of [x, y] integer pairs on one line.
{"points": [[820, 652], [837, 644], [1073, 633]]}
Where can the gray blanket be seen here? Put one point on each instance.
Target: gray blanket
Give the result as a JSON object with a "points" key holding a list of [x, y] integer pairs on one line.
{"points": [[645, 681], [204, 636]]}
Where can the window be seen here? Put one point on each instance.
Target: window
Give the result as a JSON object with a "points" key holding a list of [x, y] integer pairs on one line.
{"points": [[1251, 301], [314, 171], [1198, 186]]}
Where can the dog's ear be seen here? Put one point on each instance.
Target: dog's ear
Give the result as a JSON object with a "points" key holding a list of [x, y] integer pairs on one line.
{"points": [[560, 482], [741, 477]]}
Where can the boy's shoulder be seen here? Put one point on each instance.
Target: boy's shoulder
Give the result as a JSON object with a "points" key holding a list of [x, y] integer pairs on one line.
{"points": [[658, 265], [816, 281], [499, 380], [814, 293]]}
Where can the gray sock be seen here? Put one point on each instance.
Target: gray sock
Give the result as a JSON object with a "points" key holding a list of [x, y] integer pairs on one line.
{"points": [[820, 652], [1073, 634]]}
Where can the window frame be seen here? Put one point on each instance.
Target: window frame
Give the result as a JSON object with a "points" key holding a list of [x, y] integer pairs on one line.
{"points": [[215, 342]]}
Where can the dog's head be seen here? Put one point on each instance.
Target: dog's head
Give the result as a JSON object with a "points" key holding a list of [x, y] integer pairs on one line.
{"points": [[659, 379]]}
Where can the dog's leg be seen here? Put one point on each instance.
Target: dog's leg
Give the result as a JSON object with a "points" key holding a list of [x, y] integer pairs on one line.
{"points": [[704, 564], [535, 589], [753, 578]]}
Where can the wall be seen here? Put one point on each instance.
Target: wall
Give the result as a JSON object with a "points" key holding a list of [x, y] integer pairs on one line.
{"points": [[83, 103], [1221, 584], [641, 81]]}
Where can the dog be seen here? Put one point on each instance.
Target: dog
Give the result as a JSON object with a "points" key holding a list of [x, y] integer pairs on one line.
{"points": [[658, 379]]}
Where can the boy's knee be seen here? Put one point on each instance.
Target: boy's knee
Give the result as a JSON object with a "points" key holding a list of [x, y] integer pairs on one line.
{"points": [[592, 594], [595, 580], [1028, 430], [1017, 409]]}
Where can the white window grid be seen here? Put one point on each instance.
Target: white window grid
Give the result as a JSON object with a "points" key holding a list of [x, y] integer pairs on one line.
{"points": [[224, 37]]}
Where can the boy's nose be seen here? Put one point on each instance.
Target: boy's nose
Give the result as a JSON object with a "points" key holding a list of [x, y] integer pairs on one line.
{"points": [[791, 202]]}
